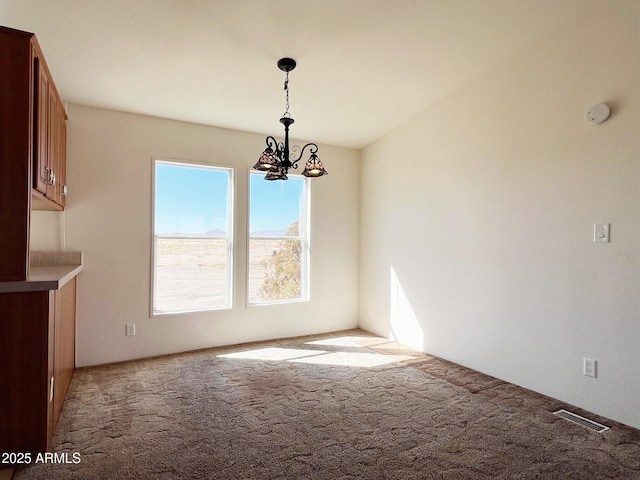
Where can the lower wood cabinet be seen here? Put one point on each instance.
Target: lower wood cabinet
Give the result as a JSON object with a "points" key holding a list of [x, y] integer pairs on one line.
{"points": [[37, 360]]}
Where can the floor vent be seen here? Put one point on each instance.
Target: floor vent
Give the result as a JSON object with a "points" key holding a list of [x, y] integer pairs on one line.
{"points": [[578, 420]]}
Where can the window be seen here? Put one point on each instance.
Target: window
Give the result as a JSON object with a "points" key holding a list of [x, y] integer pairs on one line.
{"points": [[278, 240], [192, 237]]}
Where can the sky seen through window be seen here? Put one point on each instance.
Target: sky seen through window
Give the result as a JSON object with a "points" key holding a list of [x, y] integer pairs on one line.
{"points": [[192, 200]]}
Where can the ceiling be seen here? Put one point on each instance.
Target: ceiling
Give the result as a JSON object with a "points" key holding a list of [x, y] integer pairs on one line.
{"points": [[364, 66]]}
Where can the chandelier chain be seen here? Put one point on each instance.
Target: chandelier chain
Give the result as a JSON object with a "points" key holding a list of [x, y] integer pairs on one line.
{"points": [[286, 89]]}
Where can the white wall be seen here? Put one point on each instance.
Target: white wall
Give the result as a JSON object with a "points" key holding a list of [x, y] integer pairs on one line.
{"points": [[477, 219], [46, 229], [108, 217]]}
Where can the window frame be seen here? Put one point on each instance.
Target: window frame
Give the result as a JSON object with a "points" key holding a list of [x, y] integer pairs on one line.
{"points": [[304, 236], [230, 245]]}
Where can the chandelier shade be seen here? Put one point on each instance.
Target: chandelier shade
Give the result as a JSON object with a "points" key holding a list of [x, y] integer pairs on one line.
{"points": [[276, 175], [267, 162], [314, 167], [276, 160]]}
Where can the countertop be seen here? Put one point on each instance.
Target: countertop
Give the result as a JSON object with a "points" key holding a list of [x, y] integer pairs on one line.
{"points": [[49, 277], [46, 273]]}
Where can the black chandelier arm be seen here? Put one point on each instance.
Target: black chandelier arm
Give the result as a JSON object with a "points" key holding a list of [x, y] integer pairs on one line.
{"points": [[313, 148], [272, 143]]}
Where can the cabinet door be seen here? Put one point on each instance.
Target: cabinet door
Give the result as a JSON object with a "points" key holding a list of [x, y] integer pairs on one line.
{"points": [[26, 369], [53, 160], [65, 344], [62, 155], [41, 124], [51, 386]]}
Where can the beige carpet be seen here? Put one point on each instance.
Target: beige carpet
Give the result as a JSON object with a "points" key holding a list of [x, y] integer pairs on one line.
{"points": [[337, 406]]}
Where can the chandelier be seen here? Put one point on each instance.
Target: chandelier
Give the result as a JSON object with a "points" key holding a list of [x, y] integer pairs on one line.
{"points": [[276, 160]]}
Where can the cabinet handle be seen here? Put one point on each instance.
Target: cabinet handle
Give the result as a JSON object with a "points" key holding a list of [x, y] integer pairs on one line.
{"points": [[52, 176], [63, 190], [51, 390]]}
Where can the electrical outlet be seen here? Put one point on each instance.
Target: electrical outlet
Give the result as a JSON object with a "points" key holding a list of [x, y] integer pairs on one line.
{"points": [[131, 329], [589, 366]]}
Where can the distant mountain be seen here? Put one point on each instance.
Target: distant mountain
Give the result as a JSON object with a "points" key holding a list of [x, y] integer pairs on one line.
{"points": [[271, 233], [216, 232]]}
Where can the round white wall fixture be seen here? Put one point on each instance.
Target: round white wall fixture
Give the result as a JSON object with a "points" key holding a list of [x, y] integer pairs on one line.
{"points": [[598, 113]]}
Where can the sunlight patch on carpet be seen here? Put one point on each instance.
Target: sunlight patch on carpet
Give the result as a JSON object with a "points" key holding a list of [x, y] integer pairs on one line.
{"points": [[351, 359], [349, 341], [318, 357], [278, 354]]}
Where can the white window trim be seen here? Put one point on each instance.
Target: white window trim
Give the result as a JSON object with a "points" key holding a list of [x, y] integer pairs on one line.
{"points": [[229, 304], [305, 224]]}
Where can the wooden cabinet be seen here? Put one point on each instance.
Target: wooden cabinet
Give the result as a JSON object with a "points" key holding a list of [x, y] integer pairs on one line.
{"points": [[32, 147], [37, 328], [37, 360], [49, 139]]}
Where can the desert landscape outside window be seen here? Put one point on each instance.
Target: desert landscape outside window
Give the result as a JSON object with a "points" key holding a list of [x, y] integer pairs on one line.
{"points": [[192, 237], [278, 240]]}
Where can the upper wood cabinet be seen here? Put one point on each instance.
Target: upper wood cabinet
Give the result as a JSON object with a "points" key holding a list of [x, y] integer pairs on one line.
{"points": [[32, 147], [49, 140]]}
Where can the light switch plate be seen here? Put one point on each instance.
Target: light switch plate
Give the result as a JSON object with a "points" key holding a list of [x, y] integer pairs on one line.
{"points": [[601, 232]]}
